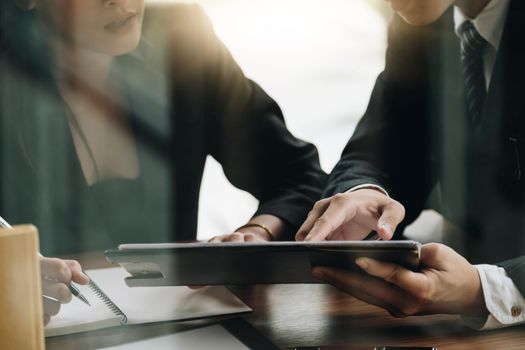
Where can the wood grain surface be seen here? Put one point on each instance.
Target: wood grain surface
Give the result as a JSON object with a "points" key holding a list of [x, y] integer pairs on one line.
{"points": [[311, 315]]}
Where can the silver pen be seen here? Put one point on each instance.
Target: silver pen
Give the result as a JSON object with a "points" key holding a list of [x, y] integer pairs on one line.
{"points": [[74, 290]]}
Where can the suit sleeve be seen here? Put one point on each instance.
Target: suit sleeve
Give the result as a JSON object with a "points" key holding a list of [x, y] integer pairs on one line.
{"points": [[391, 146], [248, 137], [516, 270]]}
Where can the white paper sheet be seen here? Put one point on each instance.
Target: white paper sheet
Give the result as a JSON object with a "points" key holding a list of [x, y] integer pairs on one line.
{"points": [[140, 304]]}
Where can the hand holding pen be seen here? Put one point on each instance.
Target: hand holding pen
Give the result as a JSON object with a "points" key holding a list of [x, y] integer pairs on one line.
{"points": [[57, 278]]}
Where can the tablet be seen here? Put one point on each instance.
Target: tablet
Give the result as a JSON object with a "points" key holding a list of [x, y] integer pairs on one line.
{"points": [[174, 264]]}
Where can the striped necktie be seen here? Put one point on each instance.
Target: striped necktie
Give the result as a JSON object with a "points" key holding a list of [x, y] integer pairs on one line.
{"points": [[472, 49]]}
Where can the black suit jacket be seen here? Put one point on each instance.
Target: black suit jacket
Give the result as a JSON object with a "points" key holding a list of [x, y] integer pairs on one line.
{"points": [[415, 138], [188, 99]]}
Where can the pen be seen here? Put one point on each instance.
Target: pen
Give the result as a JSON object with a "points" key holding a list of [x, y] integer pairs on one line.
{"points": [[74, 290]]}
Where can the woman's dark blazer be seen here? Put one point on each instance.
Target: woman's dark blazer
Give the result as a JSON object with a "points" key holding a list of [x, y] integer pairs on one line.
{"points": [[188, 100]]}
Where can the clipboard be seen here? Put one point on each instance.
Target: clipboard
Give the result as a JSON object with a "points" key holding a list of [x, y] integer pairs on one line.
{"points": [[175, 264]]}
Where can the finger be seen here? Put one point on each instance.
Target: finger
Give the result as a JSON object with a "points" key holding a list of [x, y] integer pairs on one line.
{"points": [[437, 256], [51, 306], [318, 210], [414, 283], [339, 212], [249, 237], [47, 318], [56, 290], [392, 214], [55, 269], [368, 289], [218, 239], [234, 237], [77, 275]]}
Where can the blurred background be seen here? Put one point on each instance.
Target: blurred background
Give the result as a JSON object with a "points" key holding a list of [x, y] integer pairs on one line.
{"points": [[317, 58]]}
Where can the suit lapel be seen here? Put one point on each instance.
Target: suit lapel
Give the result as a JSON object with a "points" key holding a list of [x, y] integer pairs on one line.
{"points": [[505, 99], [449, 116]]}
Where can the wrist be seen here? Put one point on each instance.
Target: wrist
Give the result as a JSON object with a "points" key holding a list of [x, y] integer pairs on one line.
{"points": [[259, 230], [369, 187], [475, 301]]}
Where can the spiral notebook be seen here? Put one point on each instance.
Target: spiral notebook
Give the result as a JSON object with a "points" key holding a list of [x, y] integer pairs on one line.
{"points": [[113, 303]]}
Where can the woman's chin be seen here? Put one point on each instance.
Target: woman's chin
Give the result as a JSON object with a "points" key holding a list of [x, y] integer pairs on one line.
{"points": [[118, 48], [422, 13], [419, 19]]}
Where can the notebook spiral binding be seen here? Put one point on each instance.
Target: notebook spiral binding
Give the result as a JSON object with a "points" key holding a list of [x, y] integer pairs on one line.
{"points": [[107, 301]]}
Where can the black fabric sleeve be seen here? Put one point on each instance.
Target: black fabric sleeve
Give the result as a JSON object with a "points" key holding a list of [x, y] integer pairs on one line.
{"points": [[516, 270], [391, 145], [247, 135]]}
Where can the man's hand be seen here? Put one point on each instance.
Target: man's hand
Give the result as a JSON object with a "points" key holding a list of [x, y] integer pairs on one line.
{"points": [[447, 284], [57, 274], [352, 216]]}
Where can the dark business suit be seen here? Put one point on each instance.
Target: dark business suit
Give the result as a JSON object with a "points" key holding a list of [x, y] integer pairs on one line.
{"points": [[188, 99], [416, 138]]}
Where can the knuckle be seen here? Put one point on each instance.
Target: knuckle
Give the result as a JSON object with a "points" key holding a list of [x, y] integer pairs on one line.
{"points": [[73, 264], [52, 264], [63, 293], [64, 273], [323, 221], [434, 249], [58, 270], [425, 296], [339, 198], [393, 275], [317, 205]]}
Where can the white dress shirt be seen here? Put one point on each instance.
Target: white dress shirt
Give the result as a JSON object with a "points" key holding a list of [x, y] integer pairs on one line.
{"points": [[504, 301], [489, 24]]}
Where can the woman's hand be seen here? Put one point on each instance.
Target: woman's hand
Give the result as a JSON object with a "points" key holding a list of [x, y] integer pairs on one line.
{"points": [[261, 228], [447, 284], [57, 274], [248, 234], [352, 216]]}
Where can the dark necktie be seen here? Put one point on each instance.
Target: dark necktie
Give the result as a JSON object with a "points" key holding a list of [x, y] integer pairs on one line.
{"points": [[472, 50]]}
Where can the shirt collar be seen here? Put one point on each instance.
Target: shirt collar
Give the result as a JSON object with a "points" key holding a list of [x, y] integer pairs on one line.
{"points": [[489, 23]]}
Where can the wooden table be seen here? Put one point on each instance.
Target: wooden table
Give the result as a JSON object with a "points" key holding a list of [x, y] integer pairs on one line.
{"points": [[309, 315]]}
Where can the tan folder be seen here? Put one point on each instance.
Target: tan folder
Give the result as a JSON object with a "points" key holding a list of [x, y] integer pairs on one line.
{"points": [[21, 325]]}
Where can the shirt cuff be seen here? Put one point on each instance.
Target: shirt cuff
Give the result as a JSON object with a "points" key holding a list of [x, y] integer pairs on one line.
{"points": [[504, 301], [375, 187]]}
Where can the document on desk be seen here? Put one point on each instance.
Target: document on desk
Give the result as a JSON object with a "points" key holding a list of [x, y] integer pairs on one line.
{"points": [[113, 303]]}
